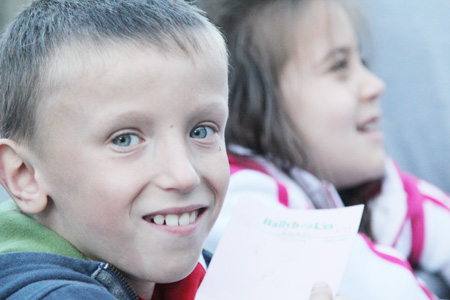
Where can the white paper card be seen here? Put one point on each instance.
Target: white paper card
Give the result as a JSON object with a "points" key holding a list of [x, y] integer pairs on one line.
{"points": [[268, 253]]}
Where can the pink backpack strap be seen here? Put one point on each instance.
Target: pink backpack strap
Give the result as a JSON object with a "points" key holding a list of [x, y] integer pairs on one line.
{"points": [[398, 261], [415, 214], [238, 163]]}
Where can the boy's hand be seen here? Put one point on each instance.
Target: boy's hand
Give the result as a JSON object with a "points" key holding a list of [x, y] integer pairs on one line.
{"points": [[321, 291]]}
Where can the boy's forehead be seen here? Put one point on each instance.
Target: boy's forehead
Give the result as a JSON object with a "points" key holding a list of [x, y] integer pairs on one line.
{"points": [[73, 69], [72, 63]]}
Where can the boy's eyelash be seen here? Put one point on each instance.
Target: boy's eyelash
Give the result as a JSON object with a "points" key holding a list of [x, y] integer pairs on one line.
{"points": [[122, 134], [205, 132], [213, 128], [212, 125]]}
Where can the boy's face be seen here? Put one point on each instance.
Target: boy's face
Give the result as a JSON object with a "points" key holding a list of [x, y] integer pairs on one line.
{"points": [[134, 159]]}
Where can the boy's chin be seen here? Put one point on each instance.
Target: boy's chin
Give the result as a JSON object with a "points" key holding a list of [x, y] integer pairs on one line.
{"points": [[143, 280], [179, 268], [178, 273]]}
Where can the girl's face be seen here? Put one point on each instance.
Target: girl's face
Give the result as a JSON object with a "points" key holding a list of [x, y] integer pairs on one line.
{"points": [[332, 98]]}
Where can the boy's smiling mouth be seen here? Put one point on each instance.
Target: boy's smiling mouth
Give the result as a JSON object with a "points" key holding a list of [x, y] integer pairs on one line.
{"points": [[173, 220]]}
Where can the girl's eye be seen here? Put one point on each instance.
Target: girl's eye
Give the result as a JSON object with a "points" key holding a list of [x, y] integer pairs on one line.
{"points": [[201, 132], [365, 62], [340, 65], [126, 140]]}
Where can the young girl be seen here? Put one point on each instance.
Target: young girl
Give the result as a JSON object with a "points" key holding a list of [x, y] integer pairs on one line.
{"points": [[303, 103]]}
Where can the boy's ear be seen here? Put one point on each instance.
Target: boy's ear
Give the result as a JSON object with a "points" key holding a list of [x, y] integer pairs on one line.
{"points": [[18, 177]]}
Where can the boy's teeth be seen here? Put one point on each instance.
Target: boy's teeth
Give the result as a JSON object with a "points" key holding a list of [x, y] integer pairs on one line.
{"points": [[175, 220], [193, 217], [184, 219]]}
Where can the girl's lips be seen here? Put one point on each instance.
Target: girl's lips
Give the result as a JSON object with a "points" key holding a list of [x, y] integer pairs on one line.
{"points": [[369, 125], [370, 128]]}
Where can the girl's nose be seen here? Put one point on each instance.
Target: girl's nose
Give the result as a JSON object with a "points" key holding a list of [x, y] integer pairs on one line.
{"points": [[372, 86]]}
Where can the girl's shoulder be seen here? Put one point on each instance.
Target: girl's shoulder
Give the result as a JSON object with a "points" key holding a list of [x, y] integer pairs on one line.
{"points": [[419, 190], [257, 176]]}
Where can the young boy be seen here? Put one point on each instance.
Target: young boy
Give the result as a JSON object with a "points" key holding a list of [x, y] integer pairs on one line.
{"points": [[112, 126]]}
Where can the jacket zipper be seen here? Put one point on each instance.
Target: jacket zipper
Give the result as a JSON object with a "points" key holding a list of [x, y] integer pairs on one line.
{"points": [[121, 280]]}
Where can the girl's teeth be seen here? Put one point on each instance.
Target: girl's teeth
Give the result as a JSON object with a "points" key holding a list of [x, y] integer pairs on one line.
{"points": [[368, 127], [158, 219], [174, 220]]}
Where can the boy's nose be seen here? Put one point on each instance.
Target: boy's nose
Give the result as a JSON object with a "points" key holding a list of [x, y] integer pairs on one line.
{"points": [[176, 171]]}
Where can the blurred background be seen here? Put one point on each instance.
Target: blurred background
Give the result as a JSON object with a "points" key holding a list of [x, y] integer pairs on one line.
{"points": [[8, 8], [411, 40]]}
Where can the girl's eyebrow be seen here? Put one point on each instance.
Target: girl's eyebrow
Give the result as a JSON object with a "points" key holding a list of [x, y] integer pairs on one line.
{"points": [[342, 51], [339, 51]]}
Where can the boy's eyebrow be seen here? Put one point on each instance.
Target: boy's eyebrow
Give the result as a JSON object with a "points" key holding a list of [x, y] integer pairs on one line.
{"points": [[135, 116], [117, 122], [214, 109]]}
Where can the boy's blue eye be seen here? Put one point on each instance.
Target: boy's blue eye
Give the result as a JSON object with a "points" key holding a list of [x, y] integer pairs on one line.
{"points": [[201, 132], [126, 140]]}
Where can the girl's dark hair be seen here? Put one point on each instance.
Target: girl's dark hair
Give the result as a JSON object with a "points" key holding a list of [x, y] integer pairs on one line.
{"points": [[260, 40]]}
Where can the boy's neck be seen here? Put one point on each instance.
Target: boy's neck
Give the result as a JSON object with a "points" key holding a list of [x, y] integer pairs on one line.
{"points": [[145, 292]]}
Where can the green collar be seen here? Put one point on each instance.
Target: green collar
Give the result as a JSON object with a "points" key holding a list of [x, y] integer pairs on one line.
{"points": [[20, 233]]}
